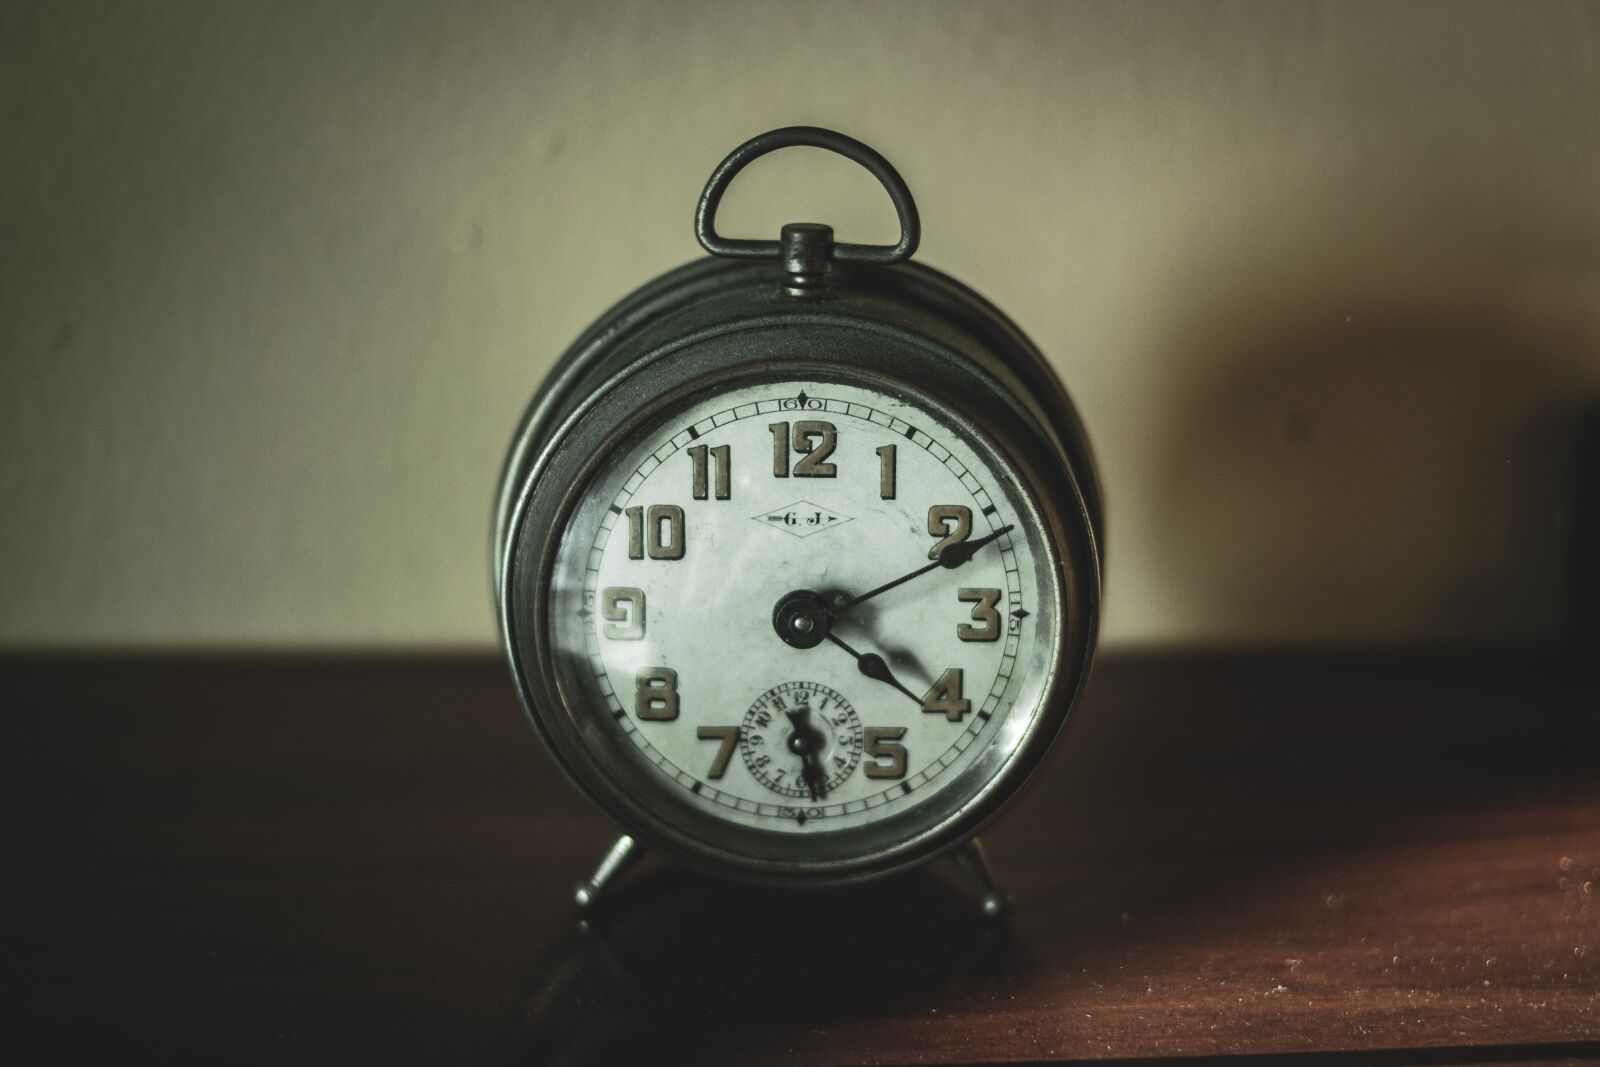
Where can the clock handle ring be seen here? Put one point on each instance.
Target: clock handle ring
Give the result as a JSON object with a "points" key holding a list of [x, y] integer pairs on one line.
{"points": [[705, 215]]}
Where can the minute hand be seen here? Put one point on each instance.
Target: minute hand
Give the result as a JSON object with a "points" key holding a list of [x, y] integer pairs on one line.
{"points": [[951, 557]]}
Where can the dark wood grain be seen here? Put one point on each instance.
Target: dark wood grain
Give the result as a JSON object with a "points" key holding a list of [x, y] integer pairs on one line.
{"points": [[370, 860]]}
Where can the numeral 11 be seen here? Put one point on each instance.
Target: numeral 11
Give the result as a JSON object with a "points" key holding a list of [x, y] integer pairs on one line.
{"points": [[720, 457]]}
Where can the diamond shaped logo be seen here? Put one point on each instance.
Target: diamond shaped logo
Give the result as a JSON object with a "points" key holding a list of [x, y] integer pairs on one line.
{"points": [[802, 518]]}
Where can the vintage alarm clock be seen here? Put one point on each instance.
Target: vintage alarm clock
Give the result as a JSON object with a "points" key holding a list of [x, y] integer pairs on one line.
{"points": [[797, 556]]}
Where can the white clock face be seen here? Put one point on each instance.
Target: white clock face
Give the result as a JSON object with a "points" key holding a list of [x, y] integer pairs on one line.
{"points": [[808, 605]]}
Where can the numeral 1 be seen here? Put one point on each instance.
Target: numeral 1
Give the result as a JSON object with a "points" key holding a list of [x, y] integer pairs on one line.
{"points": [[720, 457], [886, 472]]}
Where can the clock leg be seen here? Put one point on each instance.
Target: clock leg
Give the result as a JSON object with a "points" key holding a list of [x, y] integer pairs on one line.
{"points": [[624, 852], [974, 863]]}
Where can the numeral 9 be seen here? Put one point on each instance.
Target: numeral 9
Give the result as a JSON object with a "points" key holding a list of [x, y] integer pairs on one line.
{"points": [[622, 604]]}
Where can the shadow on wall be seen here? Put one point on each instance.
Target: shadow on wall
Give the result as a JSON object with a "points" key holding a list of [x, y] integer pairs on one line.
{"points": [[1381, 470]]}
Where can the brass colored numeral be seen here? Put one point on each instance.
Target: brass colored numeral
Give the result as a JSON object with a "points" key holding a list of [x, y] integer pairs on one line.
{"points": [[655, 697], [813, 439], [780, 449], [827, 437], [945, 697], [646, 526], [622, 605], [886, 472], [951, 523], [720, 458], [729, 738], [983, 612], [883, 743]]}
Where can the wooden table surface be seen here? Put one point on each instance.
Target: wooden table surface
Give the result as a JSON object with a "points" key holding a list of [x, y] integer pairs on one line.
{"points": [[371, 860]]}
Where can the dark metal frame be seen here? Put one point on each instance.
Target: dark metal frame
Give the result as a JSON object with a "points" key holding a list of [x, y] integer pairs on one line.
{"points": [[900, 328]]}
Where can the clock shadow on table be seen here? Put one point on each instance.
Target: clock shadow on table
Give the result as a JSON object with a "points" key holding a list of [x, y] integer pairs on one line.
{"points": [[677, 953]]}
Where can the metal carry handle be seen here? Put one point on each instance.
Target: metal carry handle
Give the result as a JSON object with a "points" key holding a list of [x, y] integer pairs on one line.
{"points": [[705, 215]]}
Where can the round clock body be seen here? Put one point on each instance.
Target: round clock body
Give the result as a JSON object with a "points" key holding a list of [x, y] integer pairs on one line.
{"points": [[798, 571]]}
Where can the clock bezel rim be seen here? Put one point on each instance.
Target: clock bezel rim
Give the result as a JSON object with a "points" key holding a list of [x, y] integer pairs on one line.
{"points": [[697, 365]]}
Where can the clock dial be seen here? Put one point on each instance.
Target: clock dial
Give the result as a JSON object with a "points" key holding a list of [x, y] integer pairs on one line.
{"points": [[807, 604]]}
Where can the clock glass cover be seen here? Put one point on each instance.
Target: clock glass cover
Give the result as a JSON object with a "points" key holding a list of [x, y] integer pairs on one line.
{"points": [[801, 606]]}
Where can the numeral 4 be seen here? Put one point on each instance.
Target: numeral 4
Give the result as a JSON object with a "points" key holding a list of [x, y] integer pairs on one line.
{"points": [[945, 697]]}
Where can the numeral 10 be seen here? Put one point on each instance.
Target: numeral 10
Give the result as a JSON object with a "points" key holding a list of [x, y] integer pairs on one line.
{"points": [[657, 530]]}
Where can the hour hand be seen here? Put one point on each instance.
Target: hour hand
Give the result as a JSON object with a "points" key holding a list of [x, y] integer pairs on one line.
{"points": [[802, 619], [875, 667]]}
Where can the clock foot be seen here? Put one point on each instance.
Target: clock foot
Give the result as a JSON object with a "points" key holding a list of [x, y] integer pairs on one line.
{"points": [[974, 863], [624, 852]]}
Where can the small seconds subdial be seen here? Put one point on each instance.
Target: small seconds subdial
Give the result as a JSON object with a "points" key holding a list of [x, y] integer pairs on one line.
{"points": [[801, 739]]}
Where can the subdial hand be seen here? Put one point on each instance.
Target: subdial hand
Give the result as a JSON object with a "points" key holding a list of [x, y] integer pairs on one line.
{"points": [[805, 741], [950, 558], [873, 666]]}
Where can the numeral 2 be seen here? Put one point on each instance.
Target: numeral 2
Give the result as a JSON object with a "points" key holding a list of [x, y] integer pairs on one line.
{"points": [[951, 523]]}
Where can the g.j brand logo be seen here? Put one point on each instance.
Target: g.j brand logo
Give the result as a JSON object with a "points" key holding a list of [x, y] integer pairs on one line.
{"points": [[802, 518]]}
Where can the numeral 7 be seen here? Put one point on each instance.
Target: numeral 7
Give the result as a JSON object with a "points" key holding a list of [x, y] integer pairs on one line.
{"points": [[728, 738]]}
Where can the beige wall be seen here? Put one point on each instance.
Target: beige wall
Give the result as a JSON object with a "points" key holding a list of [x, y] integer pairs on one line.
{"points": [[277, 279]]}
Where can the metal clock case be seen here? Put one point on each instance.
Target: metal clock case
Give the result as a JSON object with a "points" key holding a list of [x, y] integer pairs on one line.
{"points": [[742, 537]]}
